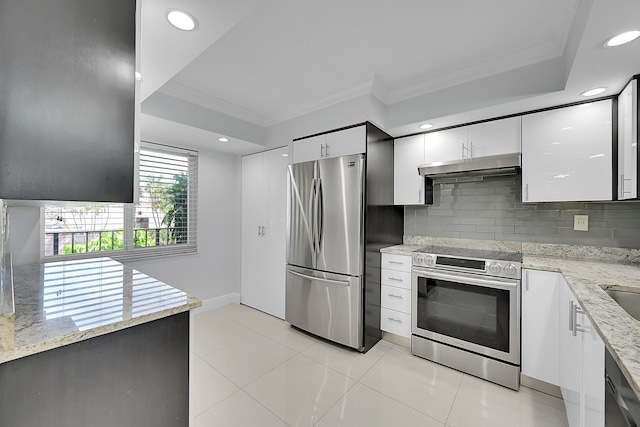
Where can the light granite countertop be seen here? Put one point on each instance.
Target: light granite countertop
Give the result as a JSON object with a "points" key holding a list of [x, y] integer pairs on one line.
{"points": [[59, 303], [587, 271]]}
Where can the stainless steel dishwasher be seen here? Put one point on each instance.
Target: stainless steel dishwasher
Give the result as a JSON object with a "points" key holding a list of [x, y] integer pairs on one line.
{"points": [[622, 407]]}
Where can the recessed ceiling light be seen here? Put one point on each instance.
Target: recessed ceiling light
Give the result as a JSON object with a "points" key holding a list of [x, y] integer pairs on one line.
{"points": [[285, 155], [223, 139], [138, 75], [181, 20], [426, 126], [623, 38], [592, 92]]}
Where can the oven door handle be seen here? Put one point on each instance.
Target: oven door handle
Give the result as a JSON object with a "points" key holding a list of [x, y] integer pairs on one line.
{"points": [[467, 280]]}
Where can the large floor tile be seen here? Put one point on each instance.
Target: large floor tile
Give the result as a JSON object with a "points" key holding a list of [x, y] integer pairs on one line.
{"points": [[289, 336], [212, 332], [346, 361], [238, 410], [208, 386], [364, 407], [481, 403], [425, 386], [250, 317], [300, 391], [246, 360]]}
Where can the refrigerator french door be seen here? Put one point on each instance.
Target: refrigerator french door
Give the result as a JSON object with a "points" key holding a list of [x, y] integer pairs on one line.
{"points": [[325, 250]]}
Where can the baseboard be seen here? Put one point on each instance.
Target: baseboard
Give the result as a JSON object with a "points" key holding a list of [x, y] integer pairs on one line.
{"points": [[213, 303]]}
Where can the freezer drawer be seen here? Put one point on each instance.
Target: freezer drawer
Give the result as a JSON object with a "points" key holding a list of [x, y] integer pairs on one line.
{"points": [[325, 304]]}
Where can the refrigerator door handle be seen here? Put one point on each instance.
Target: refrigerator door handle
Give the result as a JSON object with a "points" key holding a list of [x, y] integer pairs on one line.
{"points": [[319, 214], [312, 213], [320, 279]]}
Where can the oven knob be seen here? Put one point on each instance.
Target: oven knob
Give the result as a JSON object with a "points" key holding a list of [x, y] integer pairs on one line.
{"points": [[428, 260], [510, 269], [495, 268], [418, 259]]}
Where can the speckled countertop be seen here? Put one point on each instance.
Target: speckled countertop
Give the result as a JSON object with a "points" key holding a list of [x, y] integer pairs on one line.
{"points": [[587, 271], [59, 303]]}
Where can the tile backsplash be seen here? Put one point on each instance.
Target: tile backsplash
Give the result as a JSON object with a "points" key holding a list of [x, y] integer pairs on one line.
{"points": [[491, 209]]}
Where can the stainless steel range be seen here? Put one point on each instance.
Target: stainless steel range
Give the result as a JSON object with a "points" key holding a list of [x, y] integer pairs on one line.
{"points": [[466, 311]]}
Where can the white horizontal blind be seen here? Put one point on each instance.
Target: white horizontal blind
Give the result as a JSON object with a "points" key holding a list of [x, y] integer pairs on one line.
{"points": [[163, 223], [166, 216]]}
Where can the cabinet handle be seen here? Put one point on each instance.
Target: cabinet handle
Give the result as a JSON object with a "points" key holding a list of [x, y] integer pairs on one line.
{"points": [[463, 151], [571, 316], [526, 280], [321, 150], [395, 279], [395, 296], [420, 196], [393, 319], [526, 192], [396, 262], [258, 231], [326, 150]]}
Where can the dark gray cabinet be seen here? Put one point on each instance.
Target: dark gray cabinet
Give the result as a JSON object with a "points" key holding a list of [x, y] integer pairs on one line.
{"points": [[67, 98]]}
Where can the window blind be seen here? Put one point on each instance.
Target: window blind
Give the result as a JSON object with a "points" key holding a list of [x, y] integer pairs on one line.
{"points": [[163, 222]]}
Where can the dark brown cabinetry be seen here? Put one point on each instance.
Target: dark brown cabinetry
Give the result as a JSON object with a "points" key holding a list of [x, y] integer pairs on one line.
{"points": [[67, 97]]}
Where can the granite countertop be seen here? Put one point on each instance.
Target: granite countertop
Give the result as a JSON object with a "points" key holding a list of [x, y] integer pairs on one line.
{"points": [[587, 271], [59, 303]]}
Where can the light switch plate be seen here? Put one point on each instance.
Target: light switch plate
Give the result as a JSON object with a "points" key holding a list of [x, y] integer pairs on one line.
{"points": [[581, 222]]}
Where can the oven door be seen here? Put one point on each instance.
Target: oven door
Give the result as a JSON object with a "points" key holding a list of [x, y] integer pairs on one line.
{"points": [[471, 312]]}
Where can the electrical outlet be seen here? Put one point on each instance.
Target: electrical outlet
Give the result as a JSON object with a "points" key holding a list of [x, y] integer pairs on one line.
{"points": [[581, 222]]}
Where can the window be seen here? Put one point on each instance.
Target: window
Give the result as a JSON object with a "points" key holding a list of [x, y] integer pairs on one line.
{"points": [[163, 222]]}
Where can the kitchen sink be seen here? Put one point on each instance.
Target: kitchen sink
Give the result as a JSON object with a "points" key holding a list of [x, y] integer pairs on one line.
{"points": [[629, 301]]}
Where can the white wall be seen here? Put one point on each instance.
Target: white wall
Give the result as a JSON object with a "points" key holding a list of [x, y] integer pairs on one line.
{"points": [[214, 271]]}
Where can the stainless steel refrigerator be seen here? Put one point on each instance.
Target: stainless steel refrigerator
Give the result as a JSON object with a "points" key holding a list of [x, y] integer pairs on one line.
{"points": [[340, 213], [325, 251]]}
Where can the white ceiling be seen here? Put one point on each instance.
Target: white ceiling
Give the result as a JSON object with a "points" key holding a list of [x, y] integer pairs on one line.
{"points": [[260, 63]]}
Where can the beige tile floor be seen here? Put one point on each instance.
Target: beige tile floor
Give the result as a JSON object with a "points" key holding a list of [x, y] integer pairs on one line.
{"points": [[252, 369]]}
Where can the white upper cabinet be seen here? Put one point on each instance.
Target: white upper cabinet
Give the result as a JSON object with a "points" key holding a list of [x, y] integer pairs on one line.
{"points": [[566, 154], [408, 185], [479, 140], [334, 144], [445, 145], [628, 142], [495, 137]]}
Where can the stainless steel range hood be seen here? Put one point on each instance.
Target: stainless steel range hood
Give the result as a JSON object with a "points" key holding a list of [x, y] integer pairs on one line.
{"points": [[504, 164]]}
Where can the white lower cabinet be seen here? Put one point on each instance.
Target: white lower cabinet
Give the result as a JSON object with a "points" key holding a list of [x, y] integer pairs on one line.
{"points": [[395, 312], [581, 364], [541, 325], [264, 203], [561, 347]]}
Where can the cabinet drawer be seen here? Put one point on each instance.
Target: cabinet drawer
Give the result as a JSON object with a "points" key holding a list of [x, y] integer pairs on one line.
{"points": [[395, 322], [398, 299], [396, 262], [400, 279]]}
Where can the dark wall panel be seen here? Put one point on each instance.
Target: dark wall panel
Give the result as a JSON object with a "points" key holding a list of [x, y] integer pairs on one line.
{"points": [[134, 377], [67, 99]]}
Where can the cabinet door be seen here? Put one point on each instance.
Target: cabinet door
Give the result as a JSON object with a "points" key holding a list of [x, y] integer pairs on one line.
{"points": [[309, 149], [628, 142], [408, 185], [346, 142], [570, 358], [445, 145], [566, 154], [495, 137], [592, 375], [263, 231], [541, 326]]}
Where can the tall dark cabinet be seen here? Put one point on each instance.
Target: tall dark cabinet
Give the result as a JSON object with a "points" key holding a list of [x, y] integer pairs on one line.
{"points": [[67, 98]]}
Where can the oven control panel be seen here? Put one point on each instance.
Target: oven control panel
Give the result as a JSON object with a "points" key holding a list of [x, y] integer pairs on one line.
{"points": [[488, 267]]}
